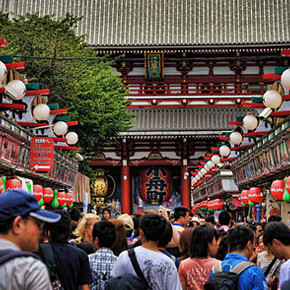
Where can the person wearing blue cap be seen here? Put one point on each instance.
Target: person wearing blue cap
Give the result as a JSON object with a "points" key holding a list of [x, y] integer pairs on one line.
{"points": [[21, 226]]}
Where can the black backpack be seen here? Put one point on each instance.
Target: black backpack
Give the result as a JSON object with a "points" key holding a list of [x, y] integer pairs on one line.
{"points": [[129, 281], [226, 280]]}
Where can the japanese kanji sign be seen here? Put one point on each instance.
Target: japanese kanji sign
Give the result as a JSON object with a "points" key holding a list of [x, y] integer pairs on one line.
{"points": [[155, 184], [41, 153]]}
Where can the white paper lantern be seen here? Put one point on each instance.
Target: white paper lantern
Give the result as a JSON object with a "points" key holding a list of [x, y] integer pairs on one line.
{"points": [[224, 151], [41, 112], [3, 71], [272, 99], [197, 178], [203, 171], [236, 138], [215, 159], [285, 79], [200, 174], [72, 138], [16, 89], [206, 167], [250, 122], [60, 128], [210, 164]]}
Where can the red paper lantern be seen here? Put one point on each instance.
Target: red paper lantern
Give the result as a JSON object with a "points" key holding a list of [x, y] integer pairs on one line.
{"points": [[37, 192], [219, 204], [245, 197], [47, 193], [69, 199], [155, 184], [256, 195], [61, 197], [288, 184], [12, 184], [278, 188]]}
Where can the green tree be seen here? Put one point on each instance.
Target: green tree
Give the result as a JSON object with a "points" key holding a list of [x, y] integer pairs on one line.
{"points": [[79, 80]]}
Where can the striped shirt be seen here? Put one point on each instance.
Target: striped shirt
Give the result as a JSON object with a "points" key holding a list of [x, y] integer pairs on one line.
{"points": [[178, 227], [102, 263], [23, 273]]}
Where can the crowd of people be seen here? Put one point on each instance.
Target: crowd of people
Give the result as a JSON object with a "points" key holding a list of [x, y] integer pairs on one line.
{"points": [[41, 249]]}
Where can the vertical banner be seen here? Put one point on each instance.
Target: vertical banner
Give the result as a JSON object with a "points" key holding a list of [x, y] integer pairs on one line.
{"points": [[86, 202], [154, 65]]}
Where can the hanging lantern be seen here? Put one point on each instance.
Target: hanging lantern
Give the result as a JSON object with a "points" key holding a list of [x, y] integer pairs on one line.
{"points": [[277, 189], [219, 204], [70, 199], [245, 197], [250, 122], [47, 193], [224, 151], [155, 184], [60, 128], [272, 99], [61, 198], [256, 195], [210, 164], [12, 184], [72, 138], [285, 79], [15, 89], [236, 138], [215, 159], [41, 112], [3, 71], [286, 195], [2, 183], [37, 191]]}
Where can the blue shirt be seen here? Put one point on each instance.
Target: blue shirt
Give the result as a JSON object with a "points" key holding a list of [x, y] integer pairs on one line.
{"points": [[252, 278], [102, 263]]}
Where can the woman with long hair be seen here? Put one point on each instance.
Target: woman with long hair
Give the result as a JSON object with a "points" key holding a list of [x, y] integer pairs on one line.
{"points": [[194, 271], [120, 243], [185, 242]]}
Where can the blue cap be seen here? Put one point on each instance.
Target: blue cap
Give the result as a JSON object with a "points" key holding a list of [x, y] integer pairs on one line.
{"points": [[18, 202]]}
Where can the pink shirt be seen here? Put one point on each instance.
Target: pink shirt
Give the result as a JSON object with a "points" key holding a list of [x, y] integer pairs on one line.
{"points": [[195, 272]]}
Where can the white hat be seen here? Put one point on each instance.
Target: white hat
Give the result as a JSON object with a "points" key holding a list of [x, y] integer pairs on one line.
{"points": [[195, 219]]}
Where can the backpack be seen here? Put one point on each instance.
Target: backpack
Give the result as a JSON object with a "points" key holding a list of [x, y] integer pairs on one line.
{"points": [[226, 280], [129, 281], [51, 265], [9, 254]]}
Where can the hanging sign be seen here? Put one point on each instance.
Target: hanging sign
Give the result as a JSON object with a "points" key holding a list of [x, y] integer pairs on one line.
{"points": [[41, 153]]}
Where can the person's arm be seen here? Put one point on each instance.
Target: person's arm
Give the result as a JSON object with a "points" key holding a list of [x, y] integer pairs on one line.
{"points": [[86, 287], [183, 285]]}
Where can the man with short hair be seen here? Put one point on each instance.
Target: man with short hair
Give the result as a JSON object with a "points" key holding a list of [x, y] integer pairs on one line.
{"points": [[224, 221], [181, 218], [103, 260], [159, 270], [72, 263], [21, 226], [240, 242], [277, 238]]}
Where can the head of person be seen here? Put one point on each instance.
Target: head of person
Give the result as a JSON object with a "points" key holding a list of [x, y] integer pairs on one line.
{"points": [[210, 220], [204, 242], [85, 227], [240, 239], [225, 218], [22, 220], [181, 215], [260, 242], [259, 229], [117, 214], [277, 238], [274, 218], [120, 243], [104, 234], [166, 236], [75, 215], [151, 227], [195, 221], [106, 214], [61, 230], [128, 223], [185, 242]]}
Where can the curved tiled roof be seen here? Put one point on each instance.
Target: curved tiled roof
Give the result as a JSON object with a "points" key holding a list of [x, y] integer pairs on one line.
{"points": [[138, 23]]}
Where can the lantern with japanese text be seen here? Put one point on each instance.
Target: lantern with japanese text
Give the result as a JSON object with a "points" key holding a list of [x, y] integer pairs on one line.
{"points": [[69, 199], [256, 195], [155, 184], [277, 189], [37, 192], [12, 184], [61, 198], [47, 193], [218, 204], [245, 198]]}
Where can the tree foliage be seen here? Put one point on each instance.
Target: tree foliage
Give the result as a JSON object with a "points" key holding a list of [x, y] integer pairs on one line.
{"points": [[77, 77]]}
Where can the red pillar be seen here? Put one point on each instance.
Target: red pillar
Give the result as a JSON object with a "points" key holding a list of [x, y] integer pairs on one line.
{"points": [[125, 188], [185, 187]]}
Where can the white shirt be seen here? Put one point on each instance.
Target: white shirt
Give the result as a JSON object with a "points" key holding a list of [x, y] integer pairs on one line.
{"points": [[158, 269], [284, 274]]}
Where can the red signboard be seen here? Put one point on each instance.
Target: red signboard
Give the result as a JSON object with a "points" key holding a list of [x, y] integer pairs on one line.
{"points": [[41, 153]]}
